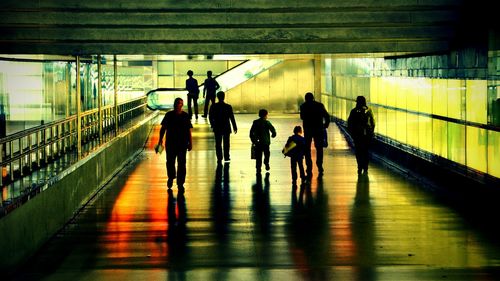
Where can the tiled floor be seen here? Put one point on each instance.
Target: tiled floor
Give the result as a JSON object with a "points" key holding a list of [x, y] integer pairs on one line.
{"points": [[231, 224]]}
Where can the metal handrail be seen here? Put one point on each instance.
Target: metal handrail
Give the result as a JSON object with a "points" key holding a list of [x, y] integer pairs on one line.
{"points": [[24, 151]]}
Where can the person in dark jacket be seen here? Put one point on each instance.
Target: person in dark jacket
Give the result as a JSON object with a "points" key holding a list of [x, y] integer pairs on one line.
{"points": [[176, 126], [296, 154], [193, 92], [221, 117], [260, 137], [315, 120], [210, 86], [361, 126]]}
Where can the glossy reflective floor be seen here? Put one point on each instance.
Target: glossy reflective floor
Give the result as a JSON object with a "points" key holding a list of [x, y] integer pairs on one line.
{"points": [[230, 224]]}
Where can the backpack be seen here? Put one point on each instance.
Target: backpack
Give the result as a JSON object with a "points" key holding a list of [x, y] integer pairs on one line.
{"points": [[359, 123], [289, 147]]}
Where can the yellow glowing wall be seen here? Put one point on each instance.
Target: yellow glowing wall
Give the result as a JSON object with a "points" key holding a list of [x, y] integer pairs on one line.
{"points": [[438, 116]]}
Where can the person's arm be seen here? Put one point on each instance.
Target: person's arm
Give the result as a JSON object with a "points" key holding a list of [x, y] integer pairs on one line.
{"points": [[272, 129], [217, 86], [252, 134], [233, 121], [326, 116], [163, 131], [204, 88]]}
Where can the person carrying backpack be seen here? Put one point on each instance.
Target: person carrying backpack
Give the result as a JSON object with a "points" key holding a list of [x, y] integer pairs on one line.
{"points": [[295, 149], [361, 125]]}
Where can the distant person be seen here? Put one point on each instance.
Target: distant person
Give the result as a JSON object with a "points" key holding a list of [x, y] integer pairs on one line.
{"points": [[221, 117], [209, 88], [260, 137], [361, 126], [315, 120], [295, 148], [193, 93], [176, 126]]}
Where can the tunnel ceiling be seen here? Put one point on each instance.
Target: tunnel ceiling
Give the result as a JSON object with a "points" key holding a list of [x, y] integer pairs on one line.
{"points": [[69, 27]]}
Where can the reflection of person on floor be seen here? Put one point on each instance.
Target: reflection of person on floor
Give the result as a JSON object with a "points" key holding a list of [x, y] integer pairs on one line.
{"points": [[176, 126], [296, 154], [315, 120], [193, 93], [210, 86], [260, 137], [177, 231], [309, 231], [363, 232], [361, 125], [221, 117]]}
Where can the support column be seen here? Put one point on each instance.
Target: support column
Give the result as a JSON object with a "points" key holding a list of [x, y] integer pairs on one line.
{"points": [[99, 96], [78, 111], [317, 78], [115, 77]]}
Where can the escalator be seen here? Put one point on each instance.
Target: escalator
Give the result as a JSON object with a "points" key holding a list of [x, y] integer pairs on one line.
{"points": [[163, 98]]}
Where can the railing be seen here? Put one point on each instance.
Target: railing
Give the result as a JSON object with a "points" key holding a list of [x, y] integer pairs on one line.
{"points": [[26, 151]]}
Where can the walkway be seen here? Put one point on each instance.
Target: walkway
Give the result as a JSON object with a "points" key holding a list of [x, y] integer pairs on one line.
{"points": [[231, 225]]}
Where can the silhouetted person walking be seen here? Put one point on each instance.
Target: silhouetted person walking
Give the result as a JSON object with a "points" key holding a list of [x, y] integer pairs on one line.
{"points": [[260, 137], [221, 117], [176, 126], [361, 126], [193, 93], [296, 154], [315, 119], [209, 88]]}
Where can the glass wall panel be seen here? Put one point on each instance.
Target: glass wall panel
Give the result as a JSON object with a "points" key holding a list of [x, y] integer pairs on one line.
{"points": [[476, 148], [494, 153], [391, 123], [413, 130], [413, 92], [108, 84], [425, 133], [400, 126], [374, 92], [455, 92], [439, 97], [456, 142], [476, 101], [424, 95], [440, 138], [381, 126], [390, 92]]}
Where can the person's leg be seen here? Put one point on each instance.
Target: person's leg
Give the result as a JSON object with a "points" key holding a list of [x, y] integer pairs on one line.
{"points": [[258, 158], [300, 163], [195, 105], [318, 144], [307, 155], [267, 154], [218, 146], [189, 98], [181, 167], [359, 157], [293, 168], [226, 146], [205, 109], [171, 156]]}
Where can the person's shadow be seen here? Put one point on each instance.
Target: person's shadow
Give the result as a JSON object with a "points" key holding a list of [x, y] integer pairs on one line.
{"points": [[262, 221], [220, 211], [363, 231], [221, 202], [177, 235], [309, 231]]}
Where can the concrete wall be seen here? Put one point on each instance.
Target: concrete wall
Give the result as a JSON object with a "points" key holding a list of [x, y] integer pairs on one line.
{"points": [[28, 227], [230, 27]]}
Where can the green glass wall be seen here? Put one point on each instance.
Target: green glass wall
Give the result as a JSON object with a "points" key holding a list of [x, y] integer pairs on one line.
{"points": [[431, 106]]}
